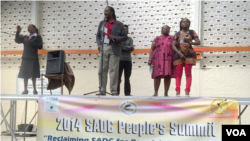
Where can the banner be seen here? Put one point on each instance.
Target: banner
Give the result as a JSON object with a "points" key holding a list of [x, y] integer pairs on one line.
{"points": [[79, 118]]}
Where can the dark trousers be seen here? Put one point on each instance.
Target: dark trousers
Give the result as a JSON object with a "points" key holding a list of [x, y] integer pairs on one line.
{"points": [[127, 66]]}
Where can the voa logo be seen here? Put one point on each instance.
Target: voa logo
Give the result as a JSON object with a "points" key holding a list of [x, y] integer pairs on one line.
{"points": [[236, 132]]}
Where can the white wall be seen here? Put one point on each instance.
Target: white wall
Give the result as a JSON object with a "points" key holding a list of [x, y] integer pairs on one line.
{"points": [[218, 74]]}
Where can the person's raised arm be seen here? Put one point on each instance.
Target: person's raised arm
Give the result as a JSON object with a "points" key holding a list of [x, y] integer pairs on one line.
{"points": [[18, 39]]}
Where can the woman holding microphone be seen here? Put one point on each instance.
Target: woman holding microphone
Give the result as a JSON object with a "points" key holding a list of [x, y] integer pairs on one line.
{"points": [[30, 67], [185, 55]]}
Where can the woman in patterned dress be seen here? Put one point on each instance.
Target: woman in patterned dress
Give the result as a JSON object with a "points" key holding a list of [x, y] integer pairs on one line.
{"points": [[161, 57], [185, 55]]}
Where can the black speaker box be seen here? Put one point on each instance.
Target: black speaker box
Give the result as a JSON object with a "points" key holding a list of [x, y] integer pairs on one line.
{"points": [[55, 62]]}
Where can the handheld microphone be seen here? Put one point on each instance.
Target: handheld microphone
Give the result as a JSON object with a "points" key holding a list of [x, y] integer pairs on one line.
{"points": [[8, 33], [187, 33]]}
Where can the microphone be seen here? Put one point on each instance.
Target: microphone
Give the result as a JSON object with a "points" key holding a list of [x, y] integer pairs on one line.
{"points": [[8, 33], [187, 33]]}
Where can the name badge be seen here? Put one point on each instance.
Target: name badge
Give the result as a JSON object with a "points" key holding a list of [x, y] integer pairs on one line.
{"points": [[106, 39], [105, 30]]}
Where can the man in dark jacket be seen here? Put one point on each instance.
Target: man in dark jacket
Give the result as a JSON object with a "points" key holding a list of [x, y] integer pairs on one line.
{"points": [[113, 34]]}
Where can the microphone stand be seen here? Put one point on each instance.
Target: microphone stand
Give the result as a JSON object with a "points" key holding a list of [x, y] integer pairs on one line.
{"points": [[100, 86], [8, 33]]}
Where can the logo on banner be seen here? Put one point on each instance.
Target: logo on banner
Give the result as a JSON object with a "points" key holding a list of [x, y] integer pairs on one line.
{"points": [[235, 132], [51, 104], [219, 107], [128, 107]]}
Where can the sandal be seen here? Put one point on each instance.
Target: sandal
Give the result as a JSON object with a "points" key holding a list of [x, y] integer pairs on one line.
{"points": [[25, 92], [35, 92]]}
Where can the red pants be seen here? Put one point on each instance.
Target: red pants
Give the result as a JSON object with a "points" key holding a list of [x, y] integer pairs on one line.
{"points": [[188, 72]]}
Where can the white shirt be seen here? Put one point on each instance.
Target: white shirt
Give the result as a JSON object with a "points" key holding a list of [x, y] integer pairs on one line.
{"points": [[32, 35]]}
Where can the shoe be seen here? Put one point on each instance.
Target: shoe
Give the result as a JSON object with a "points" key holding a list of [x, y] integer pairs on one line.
{"points": [[177, 94], [129, 95], [35, 92], [25, 92], [115, 94], [187, 94]]}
